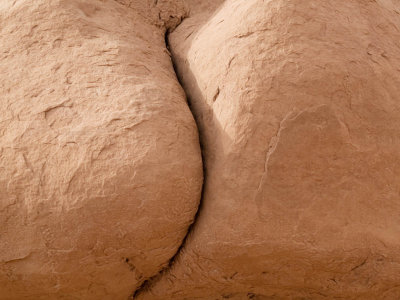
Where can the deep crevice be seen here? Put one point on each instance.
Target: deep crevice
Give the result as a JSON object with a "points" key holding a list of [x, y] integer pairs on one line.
{"points": [[146, 285]]}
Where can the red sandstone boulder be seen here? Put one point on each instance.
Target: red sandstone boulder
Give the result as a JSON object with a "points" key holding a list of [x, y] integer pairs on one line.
{"points": [[298, 105], [100, 166]]}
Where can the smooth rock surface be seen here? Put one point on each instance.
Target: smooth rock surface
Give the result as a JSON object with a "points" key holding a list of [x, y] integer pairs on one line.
{"points": [[100, 164], [298, 106]]}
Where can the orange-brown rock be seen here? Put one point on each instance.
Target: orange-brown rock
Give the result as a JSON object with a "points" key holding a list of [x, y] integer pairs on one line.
{"points": [[100, 167], [298, 105]]}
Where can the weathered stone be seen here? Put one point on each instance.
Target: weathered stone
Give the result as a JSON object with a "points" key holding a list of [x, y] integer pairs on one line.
{"points": [[298, 108], [100, 166]]}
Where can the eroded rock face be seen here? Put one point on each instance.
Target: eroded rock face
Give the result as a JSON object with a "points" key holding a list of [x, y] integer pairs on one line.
{"points": [[100, 166], [298, 108]]}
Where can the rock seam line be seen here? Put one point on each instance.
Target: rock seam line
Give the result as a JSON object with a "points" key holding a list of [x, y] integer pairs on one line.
{"points": [[146, 285]]}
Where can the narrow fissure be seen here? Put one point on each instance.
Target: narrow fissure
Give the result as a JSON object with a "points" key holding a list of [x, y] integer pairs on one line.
{"points": [[146, 285]]}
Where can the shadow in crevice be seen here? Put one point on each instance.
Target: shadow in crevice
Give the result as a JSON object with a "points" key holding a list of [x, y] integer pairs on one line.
{"points": [[185, 75]]}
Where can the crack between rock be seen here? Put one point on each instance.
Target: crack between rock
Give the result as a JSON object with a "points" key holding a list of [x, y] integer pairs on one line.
{"points": [[272, 144], [146, 285]]}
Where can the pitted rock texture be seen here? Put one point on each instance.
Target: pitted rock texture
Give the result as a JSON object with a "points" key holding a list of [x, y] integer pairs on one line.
{"points": [[100, 164], [298, 106]]}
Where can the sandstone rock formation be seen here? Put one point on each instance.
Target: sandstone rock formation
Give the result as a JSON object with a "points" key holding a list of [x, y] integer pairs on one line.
{"points": [[298, 108], [100, 165]]}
